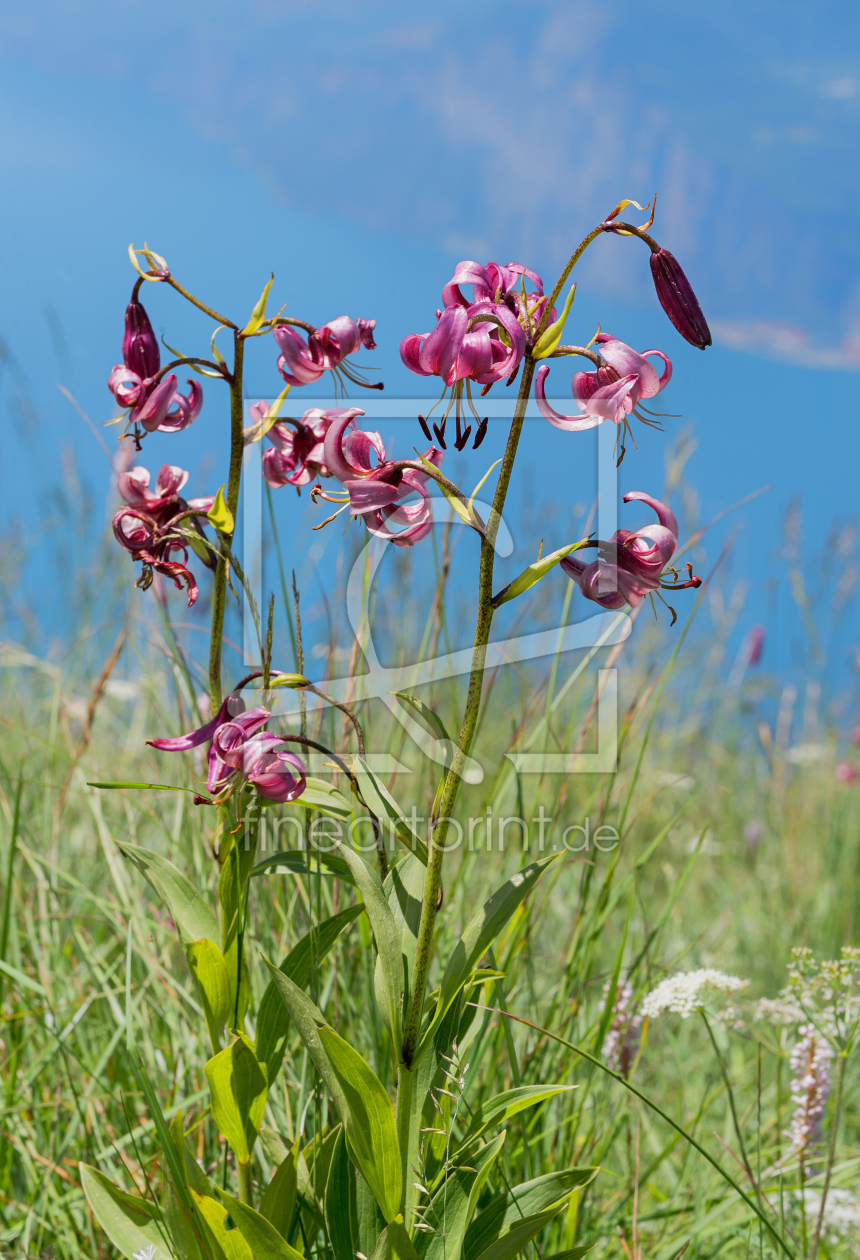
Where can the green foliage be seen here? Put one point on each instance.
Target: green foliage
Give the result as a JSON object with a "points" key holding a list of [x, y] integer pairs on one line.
{"points": [[238, 1086]]}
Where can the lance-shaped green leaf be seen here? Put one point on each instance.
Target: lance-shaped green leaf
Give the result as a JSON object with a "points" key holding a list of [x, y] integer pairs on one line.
{"points": [[380, 802], [337, 1201], [369, 1123], [223, 1243], [258, 314], [437, 726], [508, 1210], [259, 430], [238, 1086], [308, 1019], [550, 339], [220, 516], [479, 936], [279, 1201], [325, 798], [518, 1236], [260, 1235], [389, 992], [273, 1022], [210, 971], [453, 1205], [129, 1222], [502, 1107], [216, 353], [533, 574], [186, 1231], [299, 862], [192, 916]]}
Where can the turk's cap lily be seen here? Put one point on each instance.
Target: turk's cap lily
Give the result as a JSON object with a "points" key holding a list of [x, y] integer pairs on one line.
{"points": [[140, 526], [494, 283], [296, 455], [155, 406], [302, 362], [610, 393], [676, 296], [631, 563], [140, 350], [227, 733], [376, 489], [483, 342]]}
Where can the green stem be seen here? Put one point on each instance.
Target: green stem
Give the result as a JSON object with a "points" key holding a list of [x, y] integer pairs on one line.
{"points": [[450, 791], [731, 1097], [201, 306], [245, 1184], [831, 1154], [219, 591]]}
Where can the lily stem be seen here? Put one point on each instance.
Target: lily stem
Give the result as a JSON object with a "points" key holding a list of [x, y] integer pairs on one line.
{"points": [[219, 590], [453, 779]]}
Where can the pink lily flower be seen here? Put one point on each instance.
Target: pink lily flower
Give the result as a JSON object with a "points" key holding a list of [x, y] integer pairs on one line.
{"points": [[139, 527], [497, 284], [375, 489], [240, 750], [303, 362], [631, 564], [297, 454], [612, 392], [457, 349], [152, 404]]}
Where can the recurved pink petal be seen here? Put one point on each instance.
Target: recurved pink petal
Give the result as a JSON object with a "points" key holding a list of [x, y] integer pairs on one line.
{"points": [[125, 385], [665, 515], [335, 459], [153, 412], [370, 495], [572, 424], [170, 480]]}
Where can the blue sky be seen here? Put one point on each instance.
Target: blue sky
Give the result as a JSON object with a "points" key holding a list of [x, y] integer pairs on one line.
{"points": [[360, 151]]}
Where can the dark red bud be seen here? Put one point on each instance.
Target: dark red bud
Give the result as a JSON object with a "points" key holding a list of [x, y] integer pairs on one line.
{"points": [[139, 345], [678, 299]]}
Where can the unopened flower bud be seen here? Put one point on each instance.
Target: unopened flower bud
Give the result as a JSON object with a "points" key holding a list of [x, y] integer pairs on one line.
{"points": [[678, 299], [294, 681], [140, 350]]}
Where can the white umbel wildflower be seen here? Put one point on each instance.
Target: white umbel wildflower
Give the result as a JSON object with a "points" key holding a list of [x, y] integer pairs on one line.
{"points": [[685, 993], [841, 1212], [810, 1063], [620, 1042]]}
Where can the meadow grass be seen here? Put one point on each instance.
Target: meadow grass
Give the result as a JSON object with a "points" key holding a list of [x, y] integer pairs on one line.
{"points": [[689, 885]]}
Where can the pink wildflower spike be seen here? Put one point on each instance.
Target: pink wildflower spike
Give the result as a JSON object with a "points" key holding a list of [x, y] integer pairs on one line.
{"points": [[631, 564], [303, 362]]}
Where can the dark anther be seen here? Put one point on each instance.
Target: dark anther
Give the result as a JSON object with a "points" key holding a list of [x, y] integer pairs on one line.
{"points": [[461, 442], [512, 377], [481, 433], [440, 437], [486, 389], [458, 439], [425, 430], [620, 457]]}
